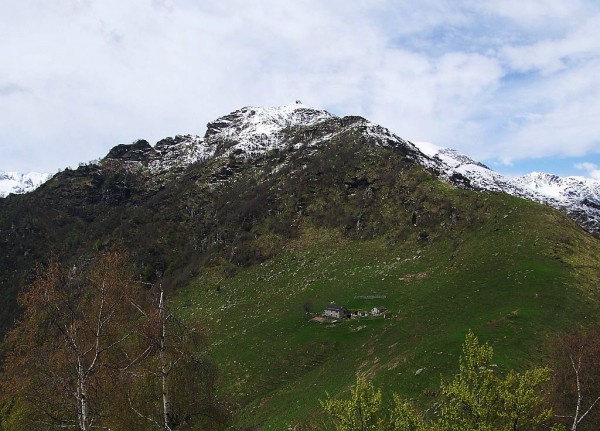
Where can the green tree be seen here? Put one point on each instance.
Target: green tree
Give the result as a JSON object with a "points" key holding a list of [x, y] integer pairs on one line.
{"points": [[477, 399], [365, 411], [404, 417], [361, 412], [522, 399], [470, 399]]}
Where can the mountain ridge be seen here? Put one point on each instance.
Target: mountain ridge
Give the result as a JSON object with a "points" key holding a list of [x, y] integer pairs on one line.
{"points": [[253, 131], [578, 197]]}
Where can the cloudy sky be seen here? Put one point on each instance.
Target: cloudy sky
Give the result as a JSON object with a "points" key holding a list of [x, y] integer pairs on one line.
{"points": [[514, 83]]}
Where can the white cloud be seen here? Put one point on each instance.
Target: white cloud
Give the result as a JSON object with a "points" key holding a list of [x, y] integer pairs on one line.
{"points": [[591, 169], [552, 55], [501, 80]]}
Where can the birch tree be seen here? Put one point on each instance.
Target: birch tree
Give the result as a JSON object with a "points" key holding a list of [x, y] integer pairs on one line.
{"points": [[173, 387], [64, 350], [576, 362]]}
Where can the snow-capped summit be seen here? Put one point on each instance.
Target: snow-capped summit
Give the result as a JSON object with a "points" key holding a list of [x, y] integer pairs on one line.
{"points": [[17, 183], [249, 131], [256, 129]]}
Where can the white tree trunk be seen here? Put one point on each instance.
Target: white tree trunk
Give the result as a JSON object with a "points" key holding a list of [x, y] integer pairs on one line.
{"points": [[82, 399], [163, 364]]}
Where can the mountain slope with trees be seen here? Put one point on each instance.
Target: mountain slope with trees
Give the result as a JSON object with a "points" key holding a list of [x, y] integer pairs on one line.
{"points": [[252, 239]]}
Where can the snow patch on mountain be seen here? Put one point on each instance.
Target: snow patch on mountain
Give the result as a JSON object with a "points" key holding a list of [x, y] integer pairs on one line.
{"points": [[17, 183], [173, 154], [565, 189], [578, 197], [248, 131], [255, 130]]}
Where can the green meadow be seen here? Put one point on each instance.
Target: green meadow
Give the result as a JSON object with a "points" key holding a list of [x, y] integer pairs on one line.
{"points": [[518, 280]]}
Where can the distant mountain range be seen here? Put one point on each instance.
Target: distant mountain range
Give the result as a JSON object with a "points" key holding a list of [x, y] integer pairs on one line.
{"points": [[256, 130], [578, 197], [17, 183]]}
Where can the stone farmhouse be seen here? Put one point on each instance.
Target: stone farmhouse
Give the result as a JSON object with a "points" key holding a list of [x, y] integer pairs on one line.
{"points": [[377, 311], [336, 312]]}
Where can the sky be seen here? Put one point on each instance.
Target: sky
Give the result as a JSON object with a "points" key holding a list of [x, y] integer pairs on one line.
{"points": [[513, 83]]}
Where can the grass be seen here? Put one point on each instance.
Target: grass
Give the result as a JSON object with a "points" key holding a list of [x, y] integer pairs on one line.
{"points": [[516, 280]]}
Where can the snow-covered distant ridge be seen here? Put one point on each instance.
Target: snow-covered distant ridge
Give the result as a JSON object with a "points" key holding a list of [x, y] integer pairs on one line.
{"points": [[578, 197], [17, 183], [561, 188]]}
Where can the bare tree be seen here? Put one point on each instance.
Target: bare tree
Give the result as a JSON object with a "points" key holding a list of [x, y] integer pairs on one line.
{"points": [[69, 340], [577, 377], [93, 347], [173, 387], [580, 410]]}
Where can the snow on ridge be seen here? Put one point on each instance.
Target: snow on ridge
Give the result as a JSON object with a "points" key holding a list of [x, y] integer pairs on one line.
{"points": [[250, 130], [257, 129], [18, 183], [563, 189], [578, 197], [179, 152]]}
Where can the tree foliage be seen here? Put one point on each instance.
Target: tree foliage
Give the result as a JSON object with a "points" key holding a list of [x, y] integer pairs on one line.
{"points": [[361, 412], [476, 399]]}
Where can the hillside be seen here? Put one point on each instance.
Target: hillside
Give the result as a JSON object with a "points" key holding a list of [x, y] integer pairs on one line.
{"points": [[276, 211], [513, 282]]}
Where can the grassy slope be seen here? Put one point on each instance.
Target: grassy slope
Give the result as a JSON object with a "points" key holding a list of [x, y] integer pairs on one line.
{"points": [[517, 280]]}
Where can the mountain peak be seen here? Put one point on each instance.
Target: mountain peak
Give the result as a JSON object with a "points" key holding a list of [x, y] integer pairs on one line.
{"points": [[263, 121], [253, 130], [17, 183]]}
